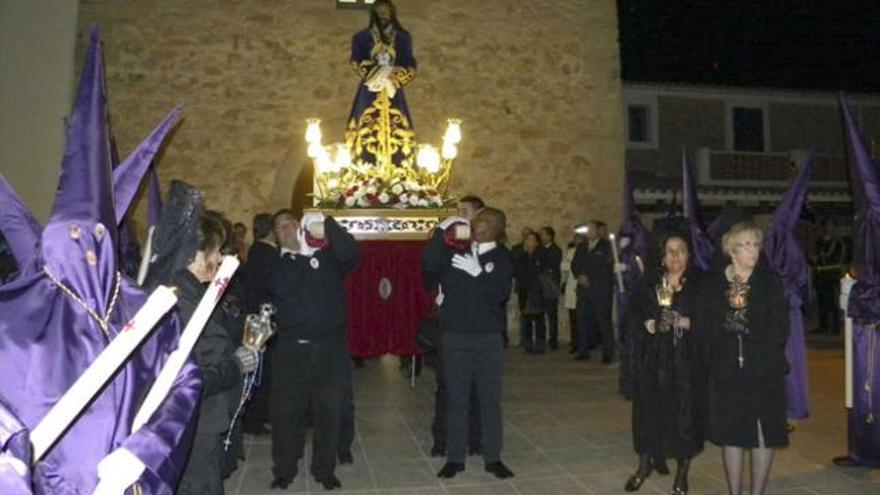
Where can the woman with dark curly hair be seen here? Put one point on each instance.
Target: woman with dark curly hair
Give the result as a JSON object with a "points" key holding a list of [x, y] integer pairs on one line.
{"points": [[665, 413]]}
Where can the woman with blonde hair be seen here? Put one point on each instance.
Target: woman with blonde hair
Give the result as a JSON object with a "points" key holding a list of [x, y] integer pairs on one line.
{"points": [[742, 319]]}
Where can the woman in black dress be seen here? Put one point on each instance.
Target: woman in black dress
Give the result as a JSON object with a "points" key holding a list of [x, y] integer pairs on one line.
{"points": [[743, 317], [533, 312], [664, 413]]}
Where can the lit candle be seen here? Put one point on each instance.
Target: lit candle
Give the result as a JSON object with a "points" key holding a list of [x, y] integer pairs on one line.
{"points": [[102, 369]]}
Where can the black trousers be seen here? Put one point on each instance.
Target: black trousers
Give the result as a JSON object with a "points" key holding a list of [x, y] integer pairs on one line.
{"points": [[524, 339], [606, 328], [827, 287], [536, 332], [438, 426], [257, 413], [573, 327], [312, 374], [552, 315], [468, 360], [346, 429]]}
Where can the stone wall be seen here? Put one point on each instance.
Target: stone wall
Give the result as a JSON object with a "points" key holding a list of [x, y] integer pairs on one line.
{"points": [[537, 84]]}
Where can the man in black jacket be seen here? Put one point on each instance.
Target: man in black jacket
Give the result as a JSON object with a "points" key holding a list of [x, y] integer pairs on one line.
{"points": [[550, 257], [475, 283], [306, 286], [593, 267]]}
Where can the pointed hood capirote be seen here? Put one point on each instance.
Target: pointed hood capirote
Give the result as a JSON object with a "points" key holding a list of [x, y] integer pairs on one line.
{"points": [[704, 250], [785, 258], [50, 330], [128, 176], [866, 183]]}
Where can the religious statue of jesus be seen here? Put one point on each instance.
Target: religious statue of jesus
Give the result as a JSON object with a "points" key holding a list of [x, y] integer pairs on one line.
{"points": [[380, 130]]}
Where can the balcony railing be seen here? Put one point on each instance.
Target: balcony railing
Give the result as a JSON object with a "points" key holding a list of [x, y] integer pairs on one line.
{"points": [[766, 169]]}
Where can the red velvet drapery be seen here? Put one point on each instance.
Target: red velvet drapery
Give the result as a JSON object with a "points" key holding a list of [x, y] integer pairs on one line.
{"points": [[377, 325]]}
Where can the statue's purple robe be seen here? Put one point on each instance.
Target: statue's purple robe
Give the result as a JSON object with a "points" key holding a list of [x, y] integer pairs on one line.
{"points": [[47, 339]]}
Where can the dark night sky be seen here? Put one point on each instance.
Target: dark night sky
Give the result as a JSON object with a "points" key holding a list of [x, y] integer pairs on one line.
{"points": [[827, 45]]}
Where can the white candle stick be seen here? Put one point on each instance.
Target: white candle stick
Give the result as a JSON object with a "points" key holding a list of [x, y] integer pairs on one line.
{"points": [[145, 256], [616, 256], [846, 284], [162, 386], [102, 369], [848, 360]]}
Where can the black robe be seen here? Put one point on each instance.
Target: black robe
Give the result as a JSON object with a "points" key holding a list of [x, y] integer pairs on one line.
{"points": [[740, 397], [669, 378]]}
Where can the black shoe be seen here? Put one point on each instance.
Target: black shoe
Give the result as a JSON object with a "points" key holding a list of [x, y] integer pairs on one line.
{"points": [[330, 482], [475, 450], [281, 482], [681, 489], [438, 450], [450, 469], [499, 470], [345, 457], [634, 482], [572, 350], [582, 357]]}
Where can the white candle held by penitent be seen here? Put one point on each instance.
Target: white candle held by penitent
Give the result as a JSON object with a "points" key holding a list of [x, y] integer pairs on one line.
{"points": [[162, 386], [616, 256], [102, 369]]}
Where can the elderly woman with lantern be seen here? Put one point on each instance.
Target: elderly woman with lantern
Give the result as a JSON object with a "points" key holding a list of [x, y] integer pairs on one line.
{"points": [[742, 319], [667, 377]]}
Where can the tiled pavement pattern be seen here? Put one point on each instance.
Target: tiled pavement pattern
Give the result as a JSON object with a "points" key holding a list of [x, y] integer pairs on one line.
{"points": [[567, 431]]}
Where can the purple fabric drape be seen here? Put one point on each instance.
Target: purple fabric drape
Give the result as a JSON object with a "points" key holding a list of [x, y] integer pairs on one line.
{"points": [[47, 338], [704, 250], [154, 208], [864, 417], [864, 302], [784, 255]]}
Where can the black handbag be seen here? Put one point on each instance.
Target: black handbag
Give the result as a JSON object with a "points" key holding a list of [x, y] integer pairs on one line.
{"points": [[550, 289]]}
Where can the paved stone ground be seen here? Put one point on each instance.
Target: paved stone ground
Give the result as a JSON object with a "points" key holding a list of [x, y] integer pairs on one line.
{"points": [[567, 431]]}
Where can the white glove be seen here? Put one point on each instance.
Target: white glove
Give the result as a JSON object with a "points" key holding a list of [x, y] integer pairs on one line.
{"points": [[310, 218], [624, 242], [446, 223], [467, 263], [304, 248], [384, 59], [846, 285], [621, 267], [247, 359], [650, 326], [118, 471], [380, 78]]}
